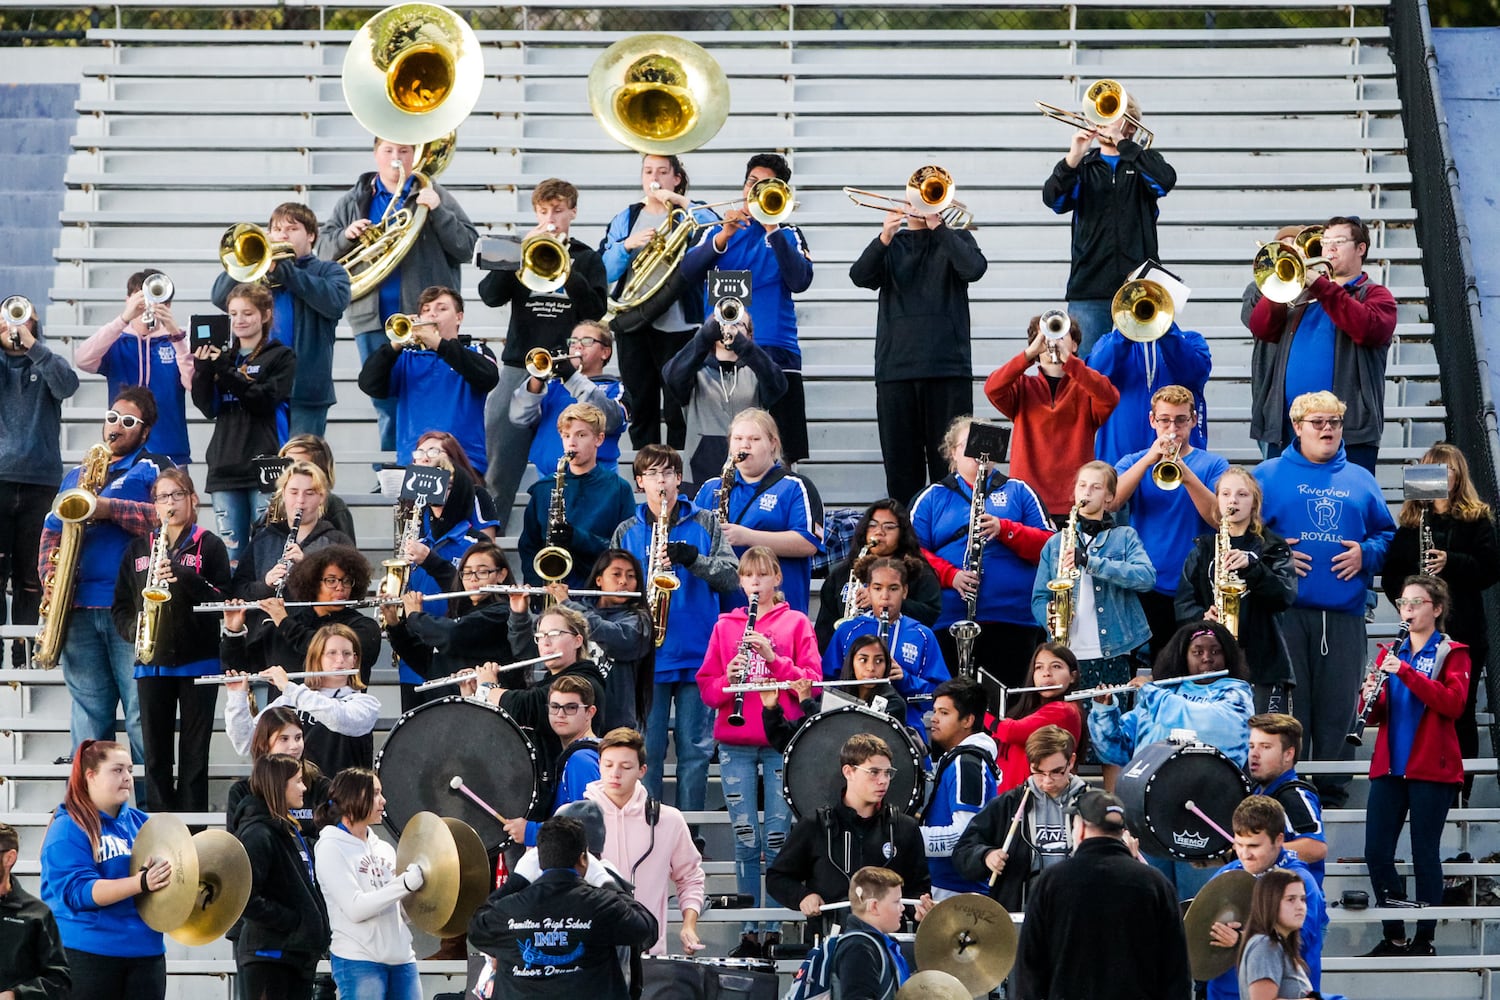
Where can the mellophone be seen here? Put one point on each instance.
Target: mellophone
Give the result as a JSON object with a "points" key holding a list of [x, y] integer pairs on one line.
{"points": [[218, 607], [1100, 692]]}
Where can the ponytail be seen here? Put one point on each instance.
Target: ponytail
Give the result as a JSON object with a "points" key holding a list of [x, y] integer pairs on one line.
{"points": [[77, 801], [350, 796]]}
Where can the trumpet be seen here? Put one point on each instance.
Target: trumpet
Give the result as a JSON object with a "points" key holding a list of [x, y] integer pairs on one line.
{"points": [[1104, 103], [401, 330], [16, 312], [1142, 310], [545, 262], [157, 289], [729, 313], [1055, 324], [1167, 474], [542, 363], [246, 252], [1101, 692]]}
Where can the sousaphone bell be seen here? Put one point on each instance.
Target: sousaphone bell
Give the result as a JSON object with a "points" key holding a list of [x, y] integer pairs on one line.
{"points": [[210, 884], [413, 73], [658, 94], [1142, 310]]}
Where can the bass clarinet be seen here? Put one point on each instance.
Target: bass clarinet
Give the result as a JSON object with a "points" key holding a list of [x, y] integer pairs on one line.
{"points": [[737, 714]]}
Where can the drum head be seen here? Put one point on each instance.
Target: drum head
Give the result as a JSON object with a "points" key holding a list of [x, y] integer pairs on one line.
{"points": [[813, 778], [458, 737], [1156, 787]]}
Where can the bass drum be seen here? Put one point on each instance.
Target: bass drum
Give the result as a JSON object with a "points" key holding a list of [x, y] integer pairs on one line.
{"points": [[459, 738], [1159, 782], [813, 778]]}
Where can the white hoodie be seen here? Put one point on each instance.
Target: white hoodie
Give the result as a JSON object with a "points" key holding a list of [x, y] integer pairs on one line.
{"points": [[363, 889]]}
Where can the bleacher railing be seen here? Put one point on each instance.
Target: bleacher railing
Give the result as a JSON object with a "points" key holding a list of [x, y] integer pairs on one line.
{"points": [[1448, 264]]}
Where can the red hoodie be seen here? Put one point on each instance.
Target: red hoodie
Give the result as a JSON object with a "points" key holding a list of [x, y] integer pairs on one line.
{"points": [[1011, 736], [796, 649], [1435, 755]]}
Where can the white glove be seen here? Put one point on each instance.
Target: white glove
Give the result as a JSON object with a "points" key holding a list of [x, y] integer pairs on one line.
{"points": [[412, 878]]}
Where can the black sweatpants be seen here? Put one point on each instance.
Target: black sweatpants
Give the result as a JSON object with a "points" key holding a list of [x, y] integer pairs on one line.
{"points": [[276, 981], [105, 977], [913, 416], [165, 701], [23, 508], [641, 355], [1161, 618]]}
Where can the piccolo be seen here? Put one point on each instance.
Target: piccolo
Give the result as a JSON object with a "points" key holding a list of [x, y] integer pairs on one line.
{"points": [[1100, 692], [469, 675], [257, 678], [787, 685]]}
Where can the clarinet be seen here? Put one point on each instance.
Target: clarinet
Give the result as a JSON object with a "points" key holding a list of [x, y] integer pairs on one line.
{"points": [[1356, 735], [737, 714], [291, 539]]}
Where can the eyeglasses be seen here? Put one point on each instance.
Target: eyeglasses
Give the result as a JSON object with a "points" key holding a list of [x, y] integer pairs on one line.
{"points": [[555, 633], [583, 341], [570, 709], [1411, 602], [337, 582], [1056, 772], [661, 472], [478, 573], [882, 527], [431, 451], [877, 772], [1180, 421], [172, 497], [125, 420], [1323, 423], [1335, 242]]}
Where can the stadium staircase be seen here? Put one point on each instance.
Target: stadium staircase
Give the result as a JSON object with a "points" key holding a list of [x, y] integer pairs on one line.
{"points": [[1271, 116]]}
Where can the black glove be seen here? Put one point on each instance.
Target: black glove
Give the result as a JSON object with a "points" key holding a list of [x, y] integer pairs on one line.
{"points": [[685, 553], [741, 344], [1080, 557], [560, 534], [565, 369], [709, 333]]}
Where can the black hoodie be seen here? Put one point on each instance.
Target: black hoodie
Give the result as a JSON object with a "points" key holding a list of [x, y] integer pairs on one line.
{"points": [[264, 551], [286, 919], [32, 961], [242, 406], [201, 566]]}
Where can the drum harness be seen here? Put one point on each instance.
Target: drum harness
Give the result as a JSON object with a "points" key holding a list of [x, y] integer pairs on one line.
{"points": [[848, 868]]}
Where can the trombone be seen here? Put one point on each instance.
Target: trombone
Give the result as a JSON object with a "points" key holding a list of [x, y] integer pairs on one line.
{"points": [[770, 202], [1142, 310], [247, 252], [929, 191], [1104, 103]]}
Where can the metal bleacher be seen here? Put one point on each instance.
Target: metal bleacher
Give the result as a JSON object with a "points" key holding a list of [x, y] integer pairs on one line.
{"points": [[181, 132]]}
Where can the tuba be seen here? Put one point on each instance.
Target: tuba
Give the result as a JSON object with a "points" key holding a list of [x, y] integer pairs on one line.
{"points": [[658, 94], [247, 252], [1142, 310], [554, 562], [660, 580], [154, 598], [1060, 606], [411, 75], [1228, 587], [73, 507]]}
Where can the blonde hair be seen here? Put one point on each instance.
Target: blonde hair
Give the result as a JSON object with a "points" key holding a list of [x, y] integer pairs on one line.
{"points": [[949, 448], [763, 420], [576, 623], [870, 884], [1463, 499], [1257, 526], [313, 662], [584, 413], [1316, 402], [760, 558], [277, 511], [1174, 395]]}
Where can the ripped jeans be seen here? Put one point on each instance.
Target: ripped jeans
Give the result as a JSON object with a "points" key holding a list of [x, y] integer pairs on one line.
{"points": [[739, 767], [236, 512]]}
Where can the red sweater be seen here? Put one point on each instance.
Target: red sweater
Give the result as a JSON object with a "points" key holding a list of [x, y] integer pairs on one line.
{"points": [[1053, 436], [1435, 755], [1370, 323], [1011, 736]]}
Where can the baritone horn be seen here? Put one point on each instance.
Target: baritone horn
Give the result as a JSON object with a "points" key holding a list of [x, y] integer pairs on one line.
{"points": [[1280, 272], [545, 262], [1142, 310], [658, 94], [1104, 103], [247, 252]]}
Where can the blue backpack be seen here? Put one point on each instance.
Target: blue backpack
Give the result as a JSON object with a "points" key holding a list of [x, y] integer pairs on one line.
{"points": [[814, 978]]}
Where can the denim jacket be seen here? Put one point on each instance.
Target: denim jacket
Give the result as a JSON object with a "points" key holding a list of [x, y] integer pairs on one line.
{"points": [[1118, 568]]}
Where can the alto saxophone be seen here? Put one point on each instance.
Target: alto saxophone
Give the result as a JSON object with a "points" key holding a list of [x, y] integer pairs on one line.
{"points": [[1228, 586], [397, 569], [73, 507], [660, 580], [1060, 607], [154, 598], [554, 562], [967, 631]]}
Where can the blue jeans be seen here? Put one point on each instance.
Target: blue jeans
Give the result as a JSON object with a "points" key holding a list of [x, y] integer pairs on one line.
{"points": [[739, 767], [235, 511], [308, 420], [1094, 320], [694, 739], [99, 669], [375, 980], [1391, 799], [1183, 875], [385, 409]]}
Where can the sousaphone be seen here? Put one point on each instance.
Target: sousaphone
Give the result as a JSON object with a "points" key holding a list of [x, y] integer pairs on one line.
{"points": [[659, 94]]}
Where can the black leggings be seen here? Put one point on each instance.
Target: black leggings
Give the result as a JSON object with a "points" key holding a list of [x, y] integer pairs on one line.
{"points": [[105, 977], [276, 981]]}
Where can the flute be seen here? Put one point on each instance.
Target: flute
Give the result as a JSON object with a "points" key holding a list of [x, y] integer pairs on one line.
{"points": [[787, 685], [296, 676], [469, 675], [365, 602], [529, 591], [1100, 692]]}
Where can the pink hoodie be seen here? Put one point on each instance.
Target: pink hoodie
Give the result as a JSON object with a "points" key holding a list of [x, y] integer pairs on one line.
{"points": [[796, 649], [657, 863]]}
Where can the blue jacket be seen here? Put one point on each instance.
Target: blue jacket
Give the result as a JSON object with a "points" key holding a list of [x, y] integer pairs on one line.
{"points": [[546, 444], [436, 573], [317, 292], [1305, 809], [914, 648], [1219, 712], [1227, 986], [1321, 505], [581, 767], [1119, 569], [69, 871], [1179, 358], [941, 518], [779, 501], [152, 362], [131, 478], [440, 390], [963, 783], [32, 388], [695, 603], [1166, 520], [779, 268], [617, 259], [596, 502]]}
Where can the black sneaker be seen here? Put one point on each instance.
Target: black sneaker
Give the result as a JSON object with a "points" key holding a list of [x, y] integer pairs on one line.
{"points": [[749, 947], [1421, 948], [1389, 949]]}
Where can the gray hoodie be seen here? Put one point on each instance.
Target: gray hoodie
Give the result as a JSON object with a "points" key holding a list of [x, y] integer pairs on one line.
{"points": [[32, 388]]}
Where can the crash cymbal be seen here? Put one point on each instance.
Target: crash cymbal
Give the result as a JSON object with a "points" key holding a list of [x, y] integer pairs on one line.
{"points": [[933, 984], [223, 888], [455, 872], [1225, 899], [166, 836], [970, 937]]}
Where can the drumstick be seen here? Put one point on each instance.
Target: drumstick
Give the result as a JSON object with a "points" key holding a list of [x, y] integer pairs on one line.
{"points": [[1015, 824], [457, 784], [1193, 808]]}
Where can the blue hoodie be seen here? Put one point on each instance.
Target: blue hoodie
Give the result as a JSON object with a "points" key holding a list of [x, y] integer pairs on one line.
{"points": [[69, 871], [1180, 358], [778, 266], [914, 648], [1227, 986], [152, 362], [778, 501], [132, 477], [1320, 505], [1219, 712]]}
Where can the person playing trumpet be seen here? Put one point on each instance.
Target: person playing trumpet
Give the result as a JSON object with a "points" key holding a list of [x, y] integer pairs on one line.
{"points": [[439, 380], [309, 297], [578, 378]]}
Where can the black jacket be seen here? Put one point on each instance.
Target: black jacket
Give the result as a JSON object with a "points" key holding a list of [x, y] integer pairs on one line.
{"points": [[857, 969], [32, 961], [922, 326], [1114, 215], [529, 706], [924, 598], [557, 937], [239, 802], [1473, 565], [1123, 912], [426, 642], [265, 644], [546, 320], [243, 408], [286, 913], [201, 564], [987, 831], [264, 551], [824, 850], [1271, 588]]}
